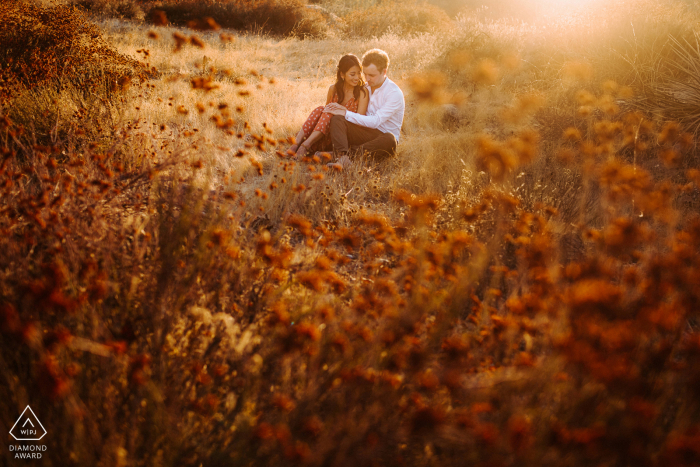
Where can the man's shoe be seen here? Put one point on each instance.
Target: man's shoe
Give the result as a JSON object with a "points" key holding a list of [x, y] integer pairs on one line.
{"points": [[344, 161], [323, 155], [341, 163]]}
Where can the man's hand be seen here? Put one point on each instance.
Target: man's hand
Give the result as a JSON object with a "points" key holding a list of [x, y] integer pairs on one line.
{"points": [[335, 109]]}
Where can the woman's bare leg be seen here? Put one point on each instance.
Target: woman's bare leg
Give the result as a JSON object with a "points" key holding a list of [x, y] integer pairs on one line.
{"points": [[313, 137], [299, 139]]}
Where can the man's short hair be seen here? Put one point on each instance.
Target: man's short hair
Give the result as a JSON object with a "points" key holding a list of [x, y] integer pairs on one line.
{"points": [[376, 57]]}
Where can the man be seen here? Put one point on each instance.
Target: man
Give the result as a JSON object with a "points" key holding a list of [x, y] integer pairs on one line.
{"points": [[377, 132]]}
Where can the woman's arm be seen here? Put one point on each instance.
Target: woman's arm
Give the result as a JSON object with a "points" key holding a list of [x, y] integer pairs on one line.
{"points": [[331, 92], [363, 102]]}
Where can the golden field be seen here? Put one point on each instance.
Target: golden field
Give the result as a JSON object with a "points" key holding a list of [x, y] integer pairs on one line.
{"points": [[518, 286]]}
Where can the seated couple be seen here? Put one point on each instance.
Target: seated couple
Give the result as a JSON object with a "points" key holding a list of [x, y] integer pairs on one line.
{"points": [[357, 115]]}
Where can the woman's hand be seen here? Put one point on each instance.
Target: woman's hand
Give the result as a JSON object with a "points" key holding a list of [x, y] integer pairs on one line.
{"points": [[335, 109]]}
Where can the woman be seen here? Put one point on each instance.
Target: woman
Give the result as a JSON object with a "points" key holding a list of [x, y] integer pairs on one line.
{"points": [[349, 91]]}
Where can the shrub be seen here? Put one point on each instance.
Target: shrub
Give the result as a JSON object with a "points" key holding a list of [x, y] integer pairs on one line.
{"points": [[59, 69], [277, 17], [56, 45], [397, 17], [125, 9]]}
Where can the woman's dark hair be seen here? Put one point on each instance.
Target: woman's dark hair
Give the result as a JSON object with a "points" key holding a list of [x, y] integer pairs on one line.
{"points": [[346, 62]]}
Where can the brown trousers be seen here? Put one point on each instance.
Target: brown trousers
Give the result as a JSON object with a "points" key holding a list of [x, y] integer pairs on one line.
{"points": [[345, 135]]}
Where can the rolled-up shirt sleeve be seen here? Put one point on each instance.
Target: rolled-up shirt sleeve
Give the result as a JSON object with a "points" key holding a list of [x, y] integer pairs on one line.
{"points": [[392, 105]]}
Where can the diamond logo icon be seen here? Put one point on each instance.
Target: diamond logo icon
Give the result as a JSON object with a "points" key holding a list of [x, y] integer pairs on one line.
{"points": [[28, 427]]}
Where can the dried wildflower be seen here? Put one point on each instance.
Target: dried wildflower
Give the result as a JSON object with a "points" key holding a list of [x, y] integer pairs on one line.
{"points": [[623, 178], [525, 359], [9, 319], [313, 425], [428, 381], [486, 72], [308, 331], [494, 157], [524, 106], [347, 238], [520, 432], [428, 86], [283, 402], [694, 176], [180, 40], [220, 236], [593, 293], [606, 130], [487, 433], [205, 24], [481, 407], [204, 83], [585, 110], [311, 279], [670, 132], [52, 379], [300, 223], [609, 87], [524, 145], [138, 367], [572, 134], [607, 104], [577, 71], [117, 347], [264, 431], [159, 18], [299, 451], [335, 281], [418, 203], [670, 156]]}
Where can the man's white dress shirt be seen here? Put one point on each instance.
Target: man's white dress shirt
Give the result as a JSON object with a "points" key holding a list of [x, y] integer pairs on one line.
{"points": [[385, 110]]}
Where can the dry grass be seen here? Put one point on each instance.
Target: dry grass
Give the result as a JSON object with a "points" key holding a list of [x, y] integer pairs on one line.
{"points": [[517, 287], [398, 17]]}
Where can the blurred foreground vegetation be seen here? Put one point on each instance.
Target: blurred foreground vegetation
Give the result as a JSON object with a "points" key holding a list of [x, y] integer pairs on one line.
{"points": [[518, 287]]}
